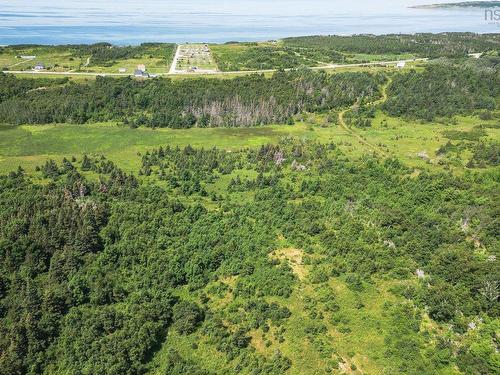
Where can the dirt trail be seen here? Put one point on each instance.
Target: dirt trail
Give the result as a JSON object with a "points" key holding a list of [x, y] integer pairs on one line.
{"points": [[354, 133], [22, 62]]}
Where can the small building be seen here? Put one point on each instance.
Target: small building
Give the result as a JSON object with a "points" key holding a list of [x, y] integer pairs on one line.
{"points": [[401, 65], [122, 70], [140, 74], [141, 67], [27, 57], [39, 66]]}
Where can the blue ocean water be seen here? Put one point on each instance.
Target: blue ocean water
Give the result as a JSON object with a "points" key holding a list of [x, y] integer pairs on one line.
{"points": [[133, 22]]}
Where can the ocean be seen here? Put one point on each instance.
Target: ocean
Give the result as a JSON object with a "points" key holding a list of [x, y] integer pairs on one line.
{"points": [[133, 22]]}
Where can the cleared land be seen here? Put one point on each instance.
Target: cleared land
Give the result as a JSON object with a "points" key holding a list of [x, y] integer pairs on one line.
{"points": [[29, 146], [193, 58], [79, 59]]}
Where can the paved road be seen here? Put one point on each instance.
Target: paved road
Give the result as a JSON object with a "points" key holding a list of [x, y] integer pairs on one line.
{"points": [[173, 66], [174, 72]]}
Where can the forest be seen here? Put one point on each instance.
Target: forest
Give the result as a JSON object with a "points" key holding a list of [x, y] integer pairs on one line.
{"points": [[104, 271], [243, 101], [445, 88], [453, 45]]}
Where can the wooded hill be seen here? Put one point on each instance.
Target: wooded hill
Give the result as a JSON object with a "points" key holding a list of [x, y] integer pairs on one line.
{"points": [[179, 271]]}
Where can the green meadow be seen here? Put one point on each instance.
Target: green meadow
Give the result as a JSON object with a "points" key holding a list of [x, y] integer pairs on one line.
{"points": [[31, 145]]}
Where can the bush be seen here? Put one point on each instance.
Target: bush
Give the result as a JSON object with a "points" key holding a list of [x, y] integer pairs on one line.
{"points": [[187, 316]]}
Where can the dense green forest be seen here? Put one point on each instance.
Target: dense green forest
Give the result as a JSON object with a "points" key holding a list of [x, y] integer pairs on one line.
{"points": [[101, 270], [243, 101], [444, 89], [423, 45]]}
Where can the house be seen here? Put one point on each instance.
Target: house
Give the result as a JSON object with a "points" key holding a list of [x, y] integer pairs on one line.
{"points": [[27, 57], [39, 66], [141, 74], [122, 70], [401, 65], [141, 67]]}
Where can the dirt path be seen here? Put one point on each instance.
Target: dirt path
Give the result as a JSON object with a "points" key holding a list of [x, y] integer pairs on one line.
{"points": [[21, 62], [354, 133], [87, 62]]}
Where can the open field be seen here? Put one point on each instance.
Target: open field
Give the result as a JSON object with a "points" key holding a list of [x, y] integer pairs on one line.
{"points": [[58, 60], [365, 57], [29, 146], [92, 59], [153, 65]]}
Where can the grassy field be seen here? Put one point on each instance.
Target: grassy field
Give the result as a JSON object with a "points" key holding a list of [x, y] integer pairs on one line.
{"points": [[64, 59], [55, 59], [373, 58], [29, 146], [153, 65]]}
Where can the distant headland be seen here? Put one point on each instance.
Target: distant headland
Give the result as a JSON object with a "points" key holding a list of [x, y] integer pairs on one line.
{"points": [[463, 4]]}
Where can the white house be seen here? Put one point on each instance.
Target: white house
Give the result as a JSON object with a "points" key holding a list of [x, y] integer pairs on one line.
{"points": [[401, 65], [122, 70], [39, 66]]}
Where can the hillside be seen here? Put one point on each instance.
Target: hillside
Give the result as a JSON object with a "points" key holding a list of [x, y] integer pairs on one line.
{"points": [[303, 221]]}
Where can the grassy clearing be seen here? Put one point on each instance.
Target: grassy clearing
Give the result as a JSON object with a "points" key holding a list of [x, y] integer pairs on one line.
{"points": [[406, 139], [29, 146], [54, 61], [379, 57], [153, 65], [359, 326]]}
